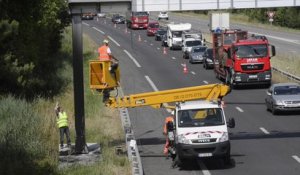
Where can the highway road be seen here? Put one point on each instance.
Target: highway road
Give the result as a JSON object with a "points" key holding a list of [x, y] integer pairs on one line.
{"points": [[288, 43], [260, 144]]}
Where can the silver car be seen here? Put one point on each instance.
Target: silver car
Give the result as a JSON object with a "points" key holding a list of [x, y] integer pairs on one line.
{"points": [[283, 97], [196, 54]]}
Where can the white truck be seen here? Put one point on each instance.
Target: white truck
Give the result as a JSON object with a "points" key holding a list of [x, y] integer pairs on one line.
{"points": [[219, 21], [174, 34], [188, 44], [192, 34], [198, 128]]}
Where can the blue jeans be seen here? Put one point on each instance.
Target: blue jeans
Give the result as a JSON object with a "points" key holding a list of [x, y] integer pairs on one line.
{"points": [[62, 131]]}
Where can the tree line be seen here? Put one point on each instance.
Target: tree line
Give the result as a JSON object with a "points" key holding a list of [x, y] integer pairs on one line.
{"points": [[30, 39]]}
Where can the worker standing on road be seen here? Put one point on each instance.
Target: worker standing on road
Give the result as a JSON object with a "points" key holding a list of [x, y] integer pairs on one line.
{"points": [[165, 132], [62, 123]]}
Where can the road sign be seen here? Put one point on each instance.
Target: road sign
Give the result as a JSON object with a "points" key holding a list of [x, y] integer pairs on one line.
{"points": [[271, 14], [271, 20]]}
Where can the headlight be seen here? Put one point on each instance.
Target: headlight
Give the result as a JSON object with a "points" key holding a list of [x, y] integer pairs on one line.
{"points": [[224, 137], [209, 60], [278, 102], [183, 139]]}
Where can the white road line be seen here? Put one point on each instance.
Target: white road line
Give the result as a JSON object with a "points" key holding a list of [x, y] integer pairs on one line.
{"points": [[99, 30], [296, 158], [205, 82], [156, 89], [279, 38], [264, 130], [158, 48], [151, 83], [182, 65], [151, 44], [114, 41], [203, 168], [85, 24], [192, 72], [173, 58], [239, 109], [132, 58]]}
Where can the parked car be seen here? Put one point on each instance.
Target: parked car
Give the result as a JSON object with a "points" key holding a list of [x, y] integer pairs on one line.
{"points": [[196, 54], [163, 15], [114, 16], [208, 60], [87, 16], [160, 33], [101, 15], [283, 97], [152, 28], [119, 20], [164, 40]]}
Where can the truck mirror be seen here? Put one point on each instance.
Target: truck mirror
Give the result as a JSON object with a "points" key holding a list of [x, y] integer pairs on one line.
{"points": [[231, 123], [273, 50], [269, 93], [204, 40]]}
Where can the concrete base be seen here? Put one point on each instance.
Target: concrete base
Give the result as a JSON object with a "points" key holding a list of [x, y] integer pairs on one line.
{"points": [[67, 156]]}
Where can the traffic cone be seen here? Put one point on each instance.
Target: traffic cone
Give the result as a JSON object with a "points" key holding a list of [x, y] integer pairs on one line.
{"points": [[185, 70], [165, 51], [140, 39]]}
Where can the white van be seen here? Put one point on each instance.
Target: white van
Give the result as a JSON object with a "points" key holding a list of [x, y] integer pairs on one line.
{"points": [[174, 34]]}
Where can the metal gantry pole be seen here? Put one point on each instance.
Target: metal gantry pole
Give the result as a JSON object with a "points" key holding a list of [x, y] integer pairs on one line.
{"points": [[80, 142]]}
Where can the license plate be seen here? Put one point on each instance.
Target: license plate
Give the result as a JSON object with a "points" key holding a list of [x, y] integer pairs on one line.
{"points": [[252, 76], [205, 155]]}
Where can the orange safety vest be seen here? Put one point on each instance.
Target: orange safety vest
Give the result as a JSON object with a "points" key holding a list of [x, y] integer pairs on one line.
{"points": [[103, 55], [168, 119]]}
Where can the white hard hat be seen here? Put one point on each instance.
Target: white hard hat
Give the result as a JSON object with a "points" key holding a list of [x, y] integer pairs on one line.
{"points": [[105, 41]]}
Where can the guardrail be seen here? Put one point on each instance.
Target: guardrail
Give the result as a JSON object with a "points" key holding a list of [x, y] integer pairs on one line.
{"points": [[288, 75], [132, 149]]}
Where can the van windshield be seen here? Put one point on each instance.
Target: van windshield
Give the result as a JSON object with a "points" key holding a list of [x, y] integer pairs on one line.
{"points": [[200, 117], [193, 43], [139, 13], [177, 34]]}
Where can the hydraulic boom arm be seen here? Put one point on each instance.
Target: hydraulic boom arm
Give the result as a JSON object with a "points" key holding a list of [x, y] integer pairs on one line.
{"points": [[102, 79]]}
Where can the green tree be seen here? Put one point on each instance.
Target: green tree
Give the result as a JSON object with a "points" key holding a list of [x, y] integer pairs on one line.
{"points": [[30, 33]]}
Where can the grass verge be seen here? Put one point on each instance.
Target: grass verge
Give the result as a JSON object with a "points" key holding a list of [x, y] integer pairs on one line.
{"points": [[29, 136]]}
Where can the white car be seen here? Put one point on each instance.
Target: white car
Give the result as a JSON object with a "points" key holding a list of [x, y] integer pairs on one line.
{"points": [[163, 15], [101, 15]]}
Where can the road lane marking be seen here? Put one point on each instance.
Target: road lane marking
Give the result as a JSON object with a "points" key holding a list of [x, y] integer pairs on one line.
{"points": [[205, 82], [132, 58], [203, 168], [85, 24], [151, 83], [296, 158], [264, 130], [192, 72], [158, 48], [239, 109], [114, 41], [156, 89], [151, 44], [173, 58], [99, 30]]}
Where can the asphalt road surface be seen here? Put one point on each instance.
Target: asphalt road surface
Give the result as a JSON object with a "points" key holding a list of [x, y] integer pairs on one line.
{"points": [[260, 143]]}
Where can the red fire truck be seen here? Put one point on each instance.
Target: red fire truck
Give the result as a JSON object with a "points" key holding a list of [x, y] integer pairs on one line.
{"points": [[136, 20], [240, 59]]}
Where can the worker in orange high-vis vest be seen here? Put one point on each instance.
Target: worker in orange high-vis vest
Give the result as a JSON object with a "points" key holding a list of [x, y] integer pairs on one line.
{"points": [[167, 120], [105, 52]]}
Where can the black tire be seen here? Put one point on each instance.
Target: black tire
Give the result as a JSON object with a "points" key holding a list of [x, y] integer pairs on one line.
{"points": [[273, 110]]}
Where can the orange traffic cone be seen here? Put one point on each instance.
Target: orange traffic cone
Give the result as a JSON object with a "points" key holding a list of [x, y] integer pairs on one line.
{"points": [[185, 70], [165, 51], [140, 39]]}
